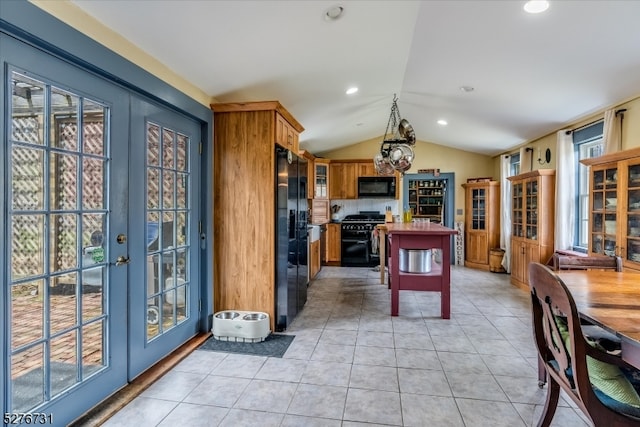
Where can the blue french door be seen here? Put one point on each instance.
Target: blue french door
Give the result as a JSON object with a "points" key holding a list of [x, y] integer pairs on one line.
{"points": [[63, 291], [165, 167], [99, 255]]}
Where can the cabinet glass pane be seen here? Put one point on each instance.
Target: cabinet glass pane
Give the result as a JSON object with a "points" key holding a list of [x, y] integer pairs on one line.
{"points": [[516, 205], [610, 246], [634, 176], [604, 205], [532, 210], [634, 200], [321, 187]]}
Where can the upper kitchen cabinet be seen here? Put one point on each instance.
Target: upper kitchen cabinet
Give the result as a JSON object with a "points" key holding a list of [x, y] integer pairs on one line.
{"points": [[532, 221], [344, 174], [614, 206], [482, 222], [321, 179], [367, 169], [343, 180], [287, 133]]}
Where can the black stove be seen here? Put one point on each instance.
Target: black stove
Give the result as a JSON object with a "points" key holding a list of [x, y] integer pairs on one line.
{"points": [[360, 240]]}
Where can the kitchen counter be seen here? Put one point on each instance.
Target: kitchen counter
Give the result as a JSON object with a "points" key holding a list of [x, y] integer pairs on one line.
{"points": [[417, 235]]}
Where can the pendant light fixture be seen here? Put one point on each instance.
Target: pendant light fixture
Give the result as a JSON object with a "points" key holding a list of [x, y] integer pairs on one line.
{"points": [[396, 152]]}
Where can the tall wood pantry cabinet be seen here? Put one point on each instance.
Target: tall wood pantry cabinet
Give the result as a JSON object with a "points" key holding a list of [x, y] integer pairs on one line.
{"points": [[482, 222], [245, 137], [532, 222], [614, 206]]}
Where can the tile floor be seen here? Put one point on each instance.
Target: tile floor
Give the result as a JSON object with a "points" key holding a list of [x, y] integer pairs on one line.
{"points": [[352, 364]]}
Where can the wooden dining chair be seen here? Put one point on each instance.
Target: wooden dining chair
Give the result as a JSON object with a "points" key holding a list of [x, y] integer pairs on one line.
{"points": [[572, 363]]}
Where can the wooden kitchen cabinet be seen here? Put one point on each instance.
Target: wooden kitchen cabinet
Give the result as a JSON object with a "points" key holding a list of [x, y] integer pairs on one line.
{"points": [[482, 222], [532, 222], [286, 134], [333, 255], [321, 179], [243, 204], [320, 211], [314, 259], [344, 174], [614, 206], [367, 169], [343, 180]]}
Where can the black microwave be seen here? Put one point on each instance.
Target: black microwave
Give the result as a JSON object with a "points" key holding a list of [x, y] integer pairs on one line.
{"points": [[377, 186]]}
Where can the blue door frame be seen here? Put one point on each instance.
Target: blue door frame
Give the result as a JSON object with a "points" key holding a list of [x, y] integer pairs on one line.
{"points": [[450, 196]]}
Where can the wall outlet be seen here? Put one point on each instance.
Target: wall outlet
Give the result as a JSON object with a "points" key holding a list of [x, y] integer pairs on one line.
{"points": [[458, 211]]}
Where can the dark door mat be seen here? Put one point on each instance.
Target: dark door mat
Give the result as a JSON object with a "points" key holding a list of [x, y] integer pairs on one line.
{"points": [[275, 345]]}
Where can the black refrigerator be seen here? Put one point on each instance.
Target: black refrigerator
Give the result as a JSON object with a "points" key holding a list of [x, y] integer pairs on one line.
{"points": [[292, 269]]}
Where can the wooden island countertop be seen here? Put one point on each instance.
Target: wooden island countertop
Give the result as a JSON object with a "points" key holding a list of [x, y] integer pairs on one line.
{"points": [[417, 235]]}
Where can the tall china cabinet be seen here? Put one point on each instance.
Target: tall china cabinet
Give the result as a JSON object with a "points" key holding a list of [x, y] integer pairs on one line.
{"points": [[532, 222], [614, 206], [482, 222]]}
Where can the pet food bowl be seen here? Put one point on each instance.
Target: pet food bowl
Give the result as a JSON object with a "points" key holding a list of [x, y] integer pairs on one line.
{"points": [[240, 326]]}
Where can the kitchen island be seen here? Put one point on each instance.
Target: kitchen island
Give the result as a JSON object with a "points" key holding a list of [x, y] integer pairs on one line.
{"points": [[418, 235]]}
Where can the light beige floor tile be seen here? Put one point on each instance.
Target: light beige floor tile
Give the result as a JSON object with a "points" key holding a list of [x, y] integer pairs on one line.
{"points": [[174, 386], [486, 413], [239, 365], [267, 396], [417, 358], [191, 415], [333, 353], [419, 411], [374, 377], [375, 339], [462, 362], [142, 411], [327, 373], [298, 421], [423, 381], [276, 369], [218, 390], [245, 417], [322, 401], [373, 406], [201, 362], [383, 356]]}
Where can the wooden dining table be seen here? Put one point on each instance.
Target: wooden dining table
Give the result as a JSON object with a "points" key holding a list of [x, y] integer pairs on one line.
{"points": [[610, 300]]}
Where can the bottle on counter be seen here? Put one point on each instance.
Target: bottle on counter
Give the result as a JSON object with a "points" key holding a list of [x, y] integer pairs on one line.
{"points": [[407, 215], [388, 216]]}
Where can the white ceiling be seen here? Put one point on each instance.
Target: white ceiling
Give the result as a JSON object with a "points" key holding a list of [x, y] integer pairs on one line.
{"points": [[532, 74]]}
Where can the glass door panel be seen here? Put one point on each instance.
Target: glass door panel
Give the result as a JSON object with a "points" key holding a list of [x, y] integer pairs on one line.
{"points": [[58, 218], [478, 209], [167, 222], [164, 296]]}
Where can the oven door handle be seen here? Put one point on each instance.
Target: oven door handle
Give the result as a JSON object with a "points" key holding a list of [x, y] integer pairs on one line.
{"points": [[360, 242]]}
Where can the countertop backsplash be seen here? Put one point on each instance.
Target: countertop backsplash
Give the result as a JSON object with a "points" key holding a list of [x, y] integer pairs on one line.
{"points": [[351, 207]]}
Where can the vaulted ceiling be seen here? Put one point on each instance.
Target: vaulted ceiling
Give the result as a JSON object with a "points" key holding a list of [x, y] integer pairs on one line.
{"points": [[531, 74]]}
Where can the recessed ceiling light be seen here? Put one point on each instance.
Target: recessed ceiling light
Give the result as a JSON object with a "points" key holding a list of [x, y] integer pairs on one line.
{"points": [[467, 88], [352, 90], [536, 6], [333, 13], [442, 122]]}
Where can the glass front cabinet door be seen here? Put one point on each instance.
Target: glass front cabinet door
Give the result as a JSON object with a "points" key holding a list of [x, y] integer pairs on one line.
{"points": [[321, 180], [614, 206], [482, 219], [604, 208]]}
